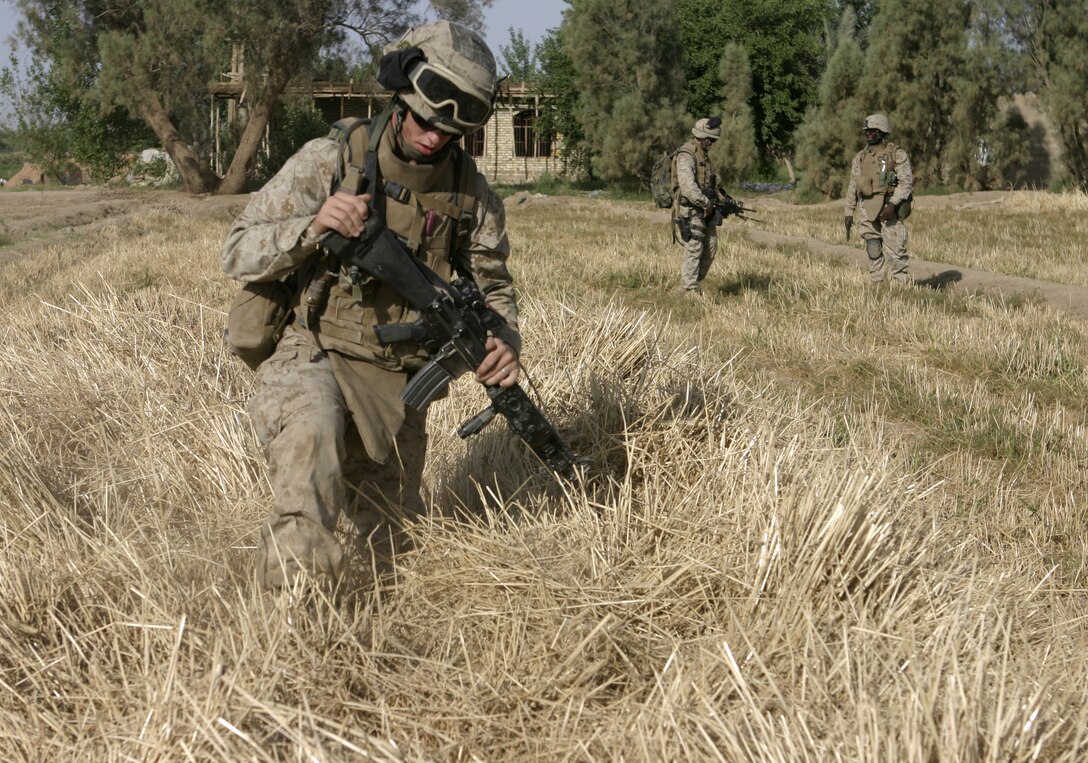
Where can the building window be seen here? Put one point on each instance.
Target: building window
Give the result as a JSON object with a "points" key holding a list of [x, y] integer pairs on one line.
{"points": [[474, 143], [530, 141]]}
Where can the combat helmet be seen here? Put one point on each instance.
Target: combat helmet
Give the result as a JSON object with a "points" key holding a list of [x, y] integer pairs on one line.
{"points": [[877, 122], [445, 73], [708, 127]]}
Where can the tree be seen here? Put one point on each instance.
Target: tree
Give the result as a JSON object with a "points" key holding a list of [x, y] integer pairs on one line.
{"points": [[831, 132], [1056, 34], [558, 78], [783, 39], [56, 128], [735, 154], [518, 60], [631, 102], [155, 58], [915, 73], [986, 146]]}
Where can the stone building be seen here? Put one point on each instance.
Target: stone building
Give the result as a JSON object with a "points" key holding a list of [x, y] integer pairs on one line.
{"points": [[511, 147]]}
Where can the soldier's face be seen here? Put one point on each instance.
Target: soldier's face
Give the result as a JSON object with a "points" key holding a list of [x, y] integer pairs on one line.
{"points": [[873, 136], [706, 143], [422, 137]]}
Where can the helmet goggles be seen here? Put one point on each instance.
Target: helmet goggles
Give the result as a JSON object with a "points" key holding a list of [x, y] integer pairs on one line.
{"points": [[452, 99]]}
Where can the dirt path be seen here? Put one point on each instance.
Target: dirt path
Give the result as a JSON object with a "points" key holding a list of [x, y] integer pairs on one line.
{"points": [[941, 275], [32, 219]]}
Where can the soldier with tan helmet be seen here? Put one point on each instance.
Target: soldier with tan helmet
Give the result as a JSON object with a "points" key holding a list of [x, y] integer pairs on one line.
{"points": [[879, 196], [326, 404], [694, 192]]}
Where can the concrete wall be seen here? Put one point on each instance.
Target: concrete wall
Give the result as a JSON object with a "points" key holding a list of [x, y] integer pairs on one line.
{"points": [[499, 161]]}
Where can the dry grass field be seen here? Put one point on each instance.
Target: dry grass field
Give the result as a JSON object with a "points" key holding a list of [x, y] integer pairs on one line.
{"points": [[823, 521]]}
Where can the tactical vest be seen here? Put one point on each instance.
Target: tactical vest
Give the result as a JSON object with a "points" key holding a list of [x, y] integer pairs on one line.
{"points": [[430, 207], [877, 165], [704, 173]]}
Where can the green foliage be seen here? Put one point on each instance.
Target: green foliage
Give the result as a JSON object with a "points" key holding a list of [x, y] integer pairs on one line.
{"points": [[978, 141], [57, 129], [1057, 33], [735, 154], [783, 39], [1008, 154], [558, 78], [296, 125], [831, 132], [518, 60], [631, 90], [916, 71], [154, 59]]}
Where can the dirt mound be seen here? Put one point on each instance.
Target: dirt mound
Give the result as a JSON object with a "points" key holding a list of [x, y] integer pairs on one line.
{"points": [[31, 174], [28, 175]]}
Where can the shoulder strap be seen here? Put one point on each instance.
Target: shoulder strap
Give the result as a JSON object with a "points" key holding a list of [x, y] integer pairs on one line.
{"points": [[357, 169], [464, 181]]}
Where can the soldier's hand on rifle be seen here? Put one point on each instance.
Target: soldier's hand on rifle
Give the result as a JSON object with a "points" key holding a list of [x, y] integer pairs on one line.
{"points": [[888, 213], [344, 213], [848, 223], [500, 366]]}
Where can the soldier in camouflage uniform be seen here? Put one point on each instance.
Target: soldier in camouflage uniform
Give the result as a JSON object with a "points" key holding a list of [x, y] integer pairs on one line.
{"points": [[326, 404], [696, 188], [879, 195]]}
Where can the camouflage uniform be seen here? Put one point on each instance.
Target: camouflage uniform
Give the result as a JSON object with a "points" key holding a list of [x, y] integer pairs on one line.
{"points": [[326, 404], [694, 177], [881, 174]]}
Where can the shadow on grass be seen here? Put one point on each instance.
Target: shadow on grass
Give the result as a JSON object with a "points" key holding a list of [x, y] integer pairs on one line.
{"points": [[743, 282], [941, 281]]}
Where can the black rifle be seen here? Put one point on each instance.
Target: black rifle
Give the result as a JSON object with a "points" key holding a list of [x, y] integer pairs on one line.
{"points": [[726, 206], [453, 328]]}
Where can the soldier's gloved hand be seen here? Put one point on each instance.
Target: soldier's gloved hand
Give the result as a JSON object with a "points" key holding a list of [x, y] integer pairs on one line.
{"points": [[848, 223], [888, 213]]}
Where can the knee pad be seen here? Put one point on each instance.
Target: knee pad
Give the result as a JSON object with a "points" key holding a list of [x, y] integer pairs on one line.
{"points": [[873, 248]]}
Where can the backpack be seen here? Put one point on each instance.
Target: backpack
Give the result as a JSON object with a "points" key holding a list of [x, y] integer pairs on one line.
{"points": [[661, 180]]}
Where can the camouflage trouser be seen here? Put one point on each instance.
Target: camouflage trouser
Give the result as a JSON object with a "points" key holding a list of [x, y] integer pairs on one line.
{"points": [[318, 468], [885, 243], [699, 250]]}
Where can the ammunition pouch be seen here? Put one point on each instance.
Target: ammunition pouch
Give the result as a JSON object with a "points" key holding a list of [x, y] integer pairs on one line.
{"points": [[683, 225]]}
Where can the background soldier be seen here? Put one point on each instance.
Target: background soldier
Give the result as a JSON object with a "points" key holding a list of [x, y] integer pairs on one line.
{"points": [[326, 404], [881, 182], [693, 203]]}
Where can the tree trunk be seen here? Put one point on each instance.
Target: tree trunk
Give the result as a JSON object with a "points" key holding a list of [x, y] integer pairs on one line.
{"points": [[195, 173], [789, 169], [260, 111]]}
